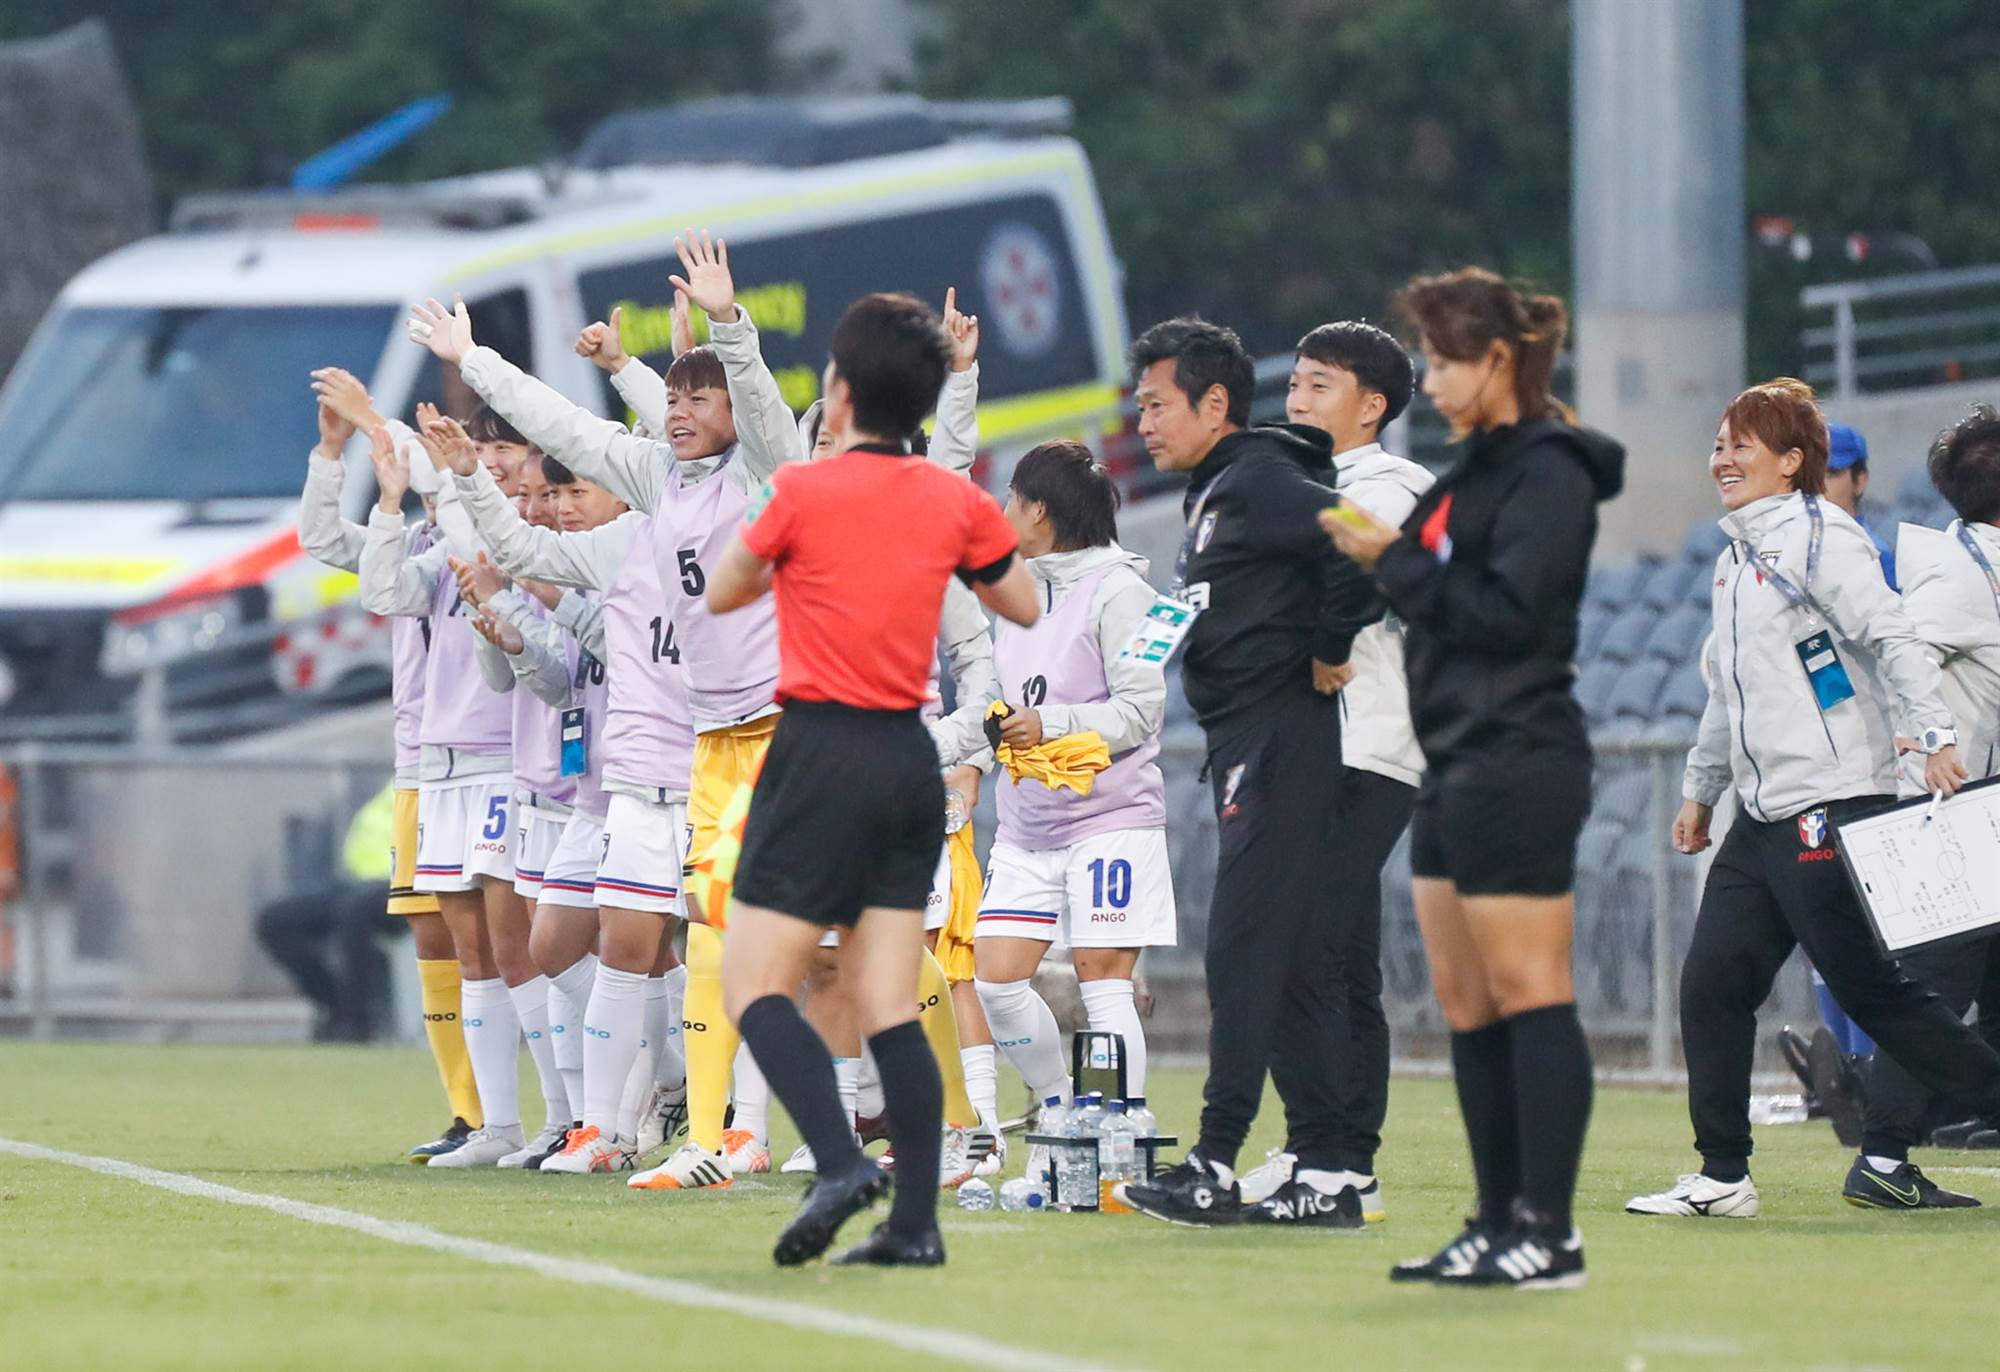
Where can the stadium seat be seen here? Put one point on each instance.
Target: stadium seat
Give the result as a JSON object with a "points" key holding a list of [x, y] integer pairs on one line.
{"points": [[1685, 696], [1705, 542], [1591, 627], [1615, 587], [1677, 637], [1636, 697], [1626, 638], [1595, 681], [1667, 587]]}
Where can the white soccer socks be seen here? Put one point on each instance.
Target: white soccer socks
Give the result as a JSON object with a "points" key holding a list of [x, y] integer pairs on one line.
{"points": [[569, 992], [493, 1042], [531, 1007], [1112, 1009], [1025, 1028], [613, 1025], [981, 1065]]}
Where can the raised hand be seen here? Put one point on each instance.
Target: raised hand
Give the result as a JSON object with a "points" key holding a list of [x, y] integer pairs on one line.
{"points": [[448, 333], [343, 393], [683, 335], [392, 469], [478, 580], [708, 282], [963, 330], [333, 432], [603, 343], [446, 440], [498, 631]]}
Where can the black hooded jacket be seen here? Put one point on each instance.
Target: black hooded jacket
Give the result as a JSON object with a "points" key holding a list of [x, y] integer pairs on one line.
{"points": [[1277, 593], [1488, 578]]}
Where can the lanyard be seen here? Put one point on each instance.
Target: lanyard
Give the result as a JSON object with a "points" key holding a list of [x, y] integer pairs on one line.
{"points": [[1979, 556], [1796, 598], [1188, 549]]}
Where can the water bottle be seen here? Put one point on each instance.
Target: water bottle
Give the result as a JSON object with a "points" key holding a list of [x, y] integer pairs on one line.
{"points": [[975, 1195], [1051, 1122], [1145, 1124], [1075, 1175], [1089, 1117], [1117, 1157], [1022, 1194], [1778, 1109]]}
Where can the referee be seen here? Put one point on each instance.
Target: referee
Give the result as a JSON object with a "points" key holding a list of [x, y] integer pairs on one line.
{"points": [[1280, 610]]}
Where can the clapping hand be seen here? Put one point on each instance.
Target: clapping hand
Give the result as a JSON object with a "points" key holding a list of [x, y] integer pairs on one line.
{"points": [[392, 469], [333, 432], [498, 631], [448, 333], [478, 580], [963, 330], [708, 282], [446, 440], [342, 393]]}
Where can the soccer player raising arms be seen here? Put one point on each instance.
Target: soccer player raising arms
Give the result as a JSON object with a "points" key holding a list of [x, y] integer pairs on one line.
{"points": [[848, 813]]}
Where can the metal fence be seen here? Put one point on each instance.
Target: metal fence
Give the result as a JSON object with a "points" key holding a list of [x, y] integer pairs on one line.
{"points": [[1920, 329], [144, 869]]}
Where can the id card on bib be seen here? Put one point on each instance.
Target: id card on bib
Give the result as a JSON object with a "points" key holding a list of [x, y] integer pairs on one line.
{"points": [[575, 743], [1161, 631], [1825, 670]]}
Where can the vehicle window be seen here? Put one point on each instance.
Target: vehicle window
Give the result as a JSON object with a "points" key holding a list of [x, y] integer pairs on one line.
{"points": [[501, 322], [1010, 260], [179, 403]]}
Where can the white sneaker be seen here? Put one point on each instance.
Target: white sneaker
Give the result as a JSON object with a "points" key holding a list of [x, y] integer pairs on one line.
{"points": [[746, 1152], [954, 1162], [485, 1148], [665, 1117], [995, 1161], [589, 1151], [801, 1160], [1694, 1196], [691, 1168], [540, 1146], [1259, 1183]]}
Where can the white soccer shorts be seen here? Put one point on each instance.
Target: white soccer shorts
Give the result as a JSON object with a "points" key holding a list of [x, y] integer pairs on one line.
{"points": [[464, 832], [536, 834], [639, 862], [571, 876], [1110, 890]]}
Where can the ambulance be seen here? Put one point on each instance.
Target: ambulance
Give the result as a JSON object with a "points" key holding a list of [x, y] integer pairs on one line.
{"points": [[153, 437]]}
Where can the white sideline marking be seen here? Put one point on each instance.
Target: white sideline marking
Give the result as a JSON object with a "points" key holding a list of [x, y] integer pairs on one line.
{"points": [[942, 1343], [1969, 1171]]}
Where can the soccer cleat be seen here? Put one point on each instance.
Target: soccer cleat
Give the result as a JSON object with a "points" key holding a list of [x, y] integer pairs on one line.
{"points": [[1696, 1196], [1533, 1255], [665, 1117], [444, 1143], [1904, 1188], [691, 1168], [1190, 1192], [552, 1139], [801, 1161], [989, 1147], [830, 1203], [955, 1162], [886, 1248], [1957, 1135], [484, 1148], [1455, 1259], [1262, 1182], [1837, 1084], [1297, 1205], [589, 1151], [745, 1151]]}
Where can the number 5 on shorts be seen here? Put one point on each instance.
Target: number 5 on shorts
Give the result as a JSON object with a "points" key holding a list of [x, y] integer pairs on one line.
{"points": [[496, 817]]}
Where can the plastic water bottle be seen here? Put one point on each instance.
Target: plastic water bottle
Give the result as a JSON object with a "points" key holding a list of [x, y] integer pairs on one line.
{"points": [[1073, 1165], [975, 1195], [1145, 1124], [1022, 1194], [1052, 1120], [1117, 1151], [1088, 1120]]}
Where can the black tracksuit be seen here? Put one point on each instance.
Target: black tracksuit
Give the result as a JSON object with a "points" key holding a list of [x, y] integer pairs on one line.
{"points": [[1277, 596]]}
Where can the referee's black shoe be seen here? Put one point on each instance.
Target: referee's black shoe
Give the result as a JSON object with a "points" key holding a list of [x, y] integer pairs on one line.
{"points": [[886, 1248], [1903, 1188], [1535, 1254], [1190, 1192], [1297, 1205], [1455, 1259], [830, 1204]]}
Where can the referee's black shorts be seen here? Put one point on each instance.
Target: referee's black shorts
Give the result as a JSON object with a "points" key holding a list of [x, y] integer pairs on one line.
{"points": [[1505, 825], [848, 813]]}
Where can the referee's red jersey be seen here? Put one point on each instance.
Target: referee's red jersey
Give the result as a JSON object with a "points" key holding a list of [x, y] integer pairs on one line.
{"points": [[862, 545]]}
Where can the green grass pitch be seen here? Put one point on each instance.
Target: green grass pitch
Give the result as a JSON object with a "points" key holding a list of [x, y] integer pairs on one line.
{"points": [[101, 1272]]}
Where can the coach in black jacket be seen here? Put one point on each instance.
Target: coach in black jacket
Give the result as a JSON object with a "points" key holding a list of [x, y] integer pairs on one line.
{"points": [[1280, 609]]}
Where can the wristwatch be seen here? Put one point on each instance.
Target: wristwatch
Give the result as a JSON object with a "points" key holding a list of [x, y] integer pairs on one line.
{"points": [[1934, 739]]}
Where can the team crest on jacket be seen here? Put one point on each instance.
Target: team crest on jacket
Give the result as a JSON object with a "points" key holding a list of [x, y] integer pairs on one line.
{"points": [[1205, 532], [1812, 828]]}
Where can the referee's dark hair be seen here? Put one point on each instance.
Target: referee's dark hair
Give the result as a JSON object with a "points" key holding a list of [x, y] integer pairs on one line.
{"points": [[891, 351], [1376, 359], [1082, 503], [1965, 466], [1204, 355]]}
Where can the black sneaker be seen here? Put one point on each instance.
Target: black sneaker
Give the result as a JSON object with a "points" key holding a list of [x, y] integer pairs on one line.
{"points": [[1455, 1259], [1905, 1188], [1297, 1204], [1956, 1135], [886, 1248], [1984, 1138], [1190, 1192], [534, 1164], [830, 1204], [449, 1141], [1838, 1085], [1533, 1255]]}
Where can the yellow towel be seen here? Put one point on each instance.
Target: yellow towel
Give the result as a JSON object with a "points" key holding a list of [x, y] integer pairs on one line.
{"points": [[1071, 762], [954, 945]]}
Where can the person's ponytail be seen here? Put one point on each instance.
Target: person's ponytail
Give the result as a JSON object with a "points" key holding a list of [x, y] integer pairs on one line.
{"points": [[1545, 324]]}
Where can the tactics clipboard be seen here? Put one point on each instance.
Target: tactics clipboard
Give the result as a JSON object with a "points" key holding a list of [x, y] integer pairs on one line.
{"points": [[1926, 881]]}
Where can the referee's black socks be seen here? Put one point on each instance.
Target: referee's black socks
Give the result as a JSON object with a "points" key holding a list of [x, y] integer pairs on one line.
{"points": [[795, 1061], [1552, 1095], [1482, 1066], [913, 1095]]}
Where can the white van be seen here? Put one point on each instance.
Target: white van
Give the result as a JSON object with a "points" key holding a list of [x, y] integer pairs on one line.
{"points": [[153, 437]]}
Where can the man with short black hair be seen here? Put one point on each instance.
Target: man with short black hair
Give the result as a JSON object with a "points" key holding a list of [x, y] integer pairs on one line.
{"points": [[1280, 610]]}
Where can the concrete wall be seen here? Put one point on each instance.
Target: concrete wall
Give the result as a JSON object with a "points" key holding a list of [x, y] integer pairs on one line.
{"points": [[1899, 425]]}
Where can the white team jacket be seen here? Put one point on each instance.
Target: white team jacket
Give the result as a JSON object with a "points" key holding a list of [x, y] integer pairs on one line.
{"points": [[1375, 730], [1948, 597], [1763, 727]]}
